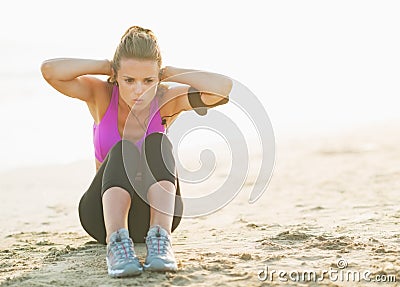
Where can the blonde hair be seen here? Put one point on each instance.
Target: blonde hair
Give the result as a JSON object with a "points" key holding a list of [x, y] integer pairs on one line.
{"points": [[138, 43]]}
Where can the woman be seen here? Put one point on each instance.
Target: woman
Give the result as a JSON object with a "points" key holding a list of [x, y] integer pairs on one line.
{"points": [[135, 192]]}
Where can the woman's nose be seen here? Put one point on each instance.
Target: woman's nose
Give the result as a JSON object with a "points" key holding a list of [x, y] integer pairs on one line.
{"points": [[139, 88]]}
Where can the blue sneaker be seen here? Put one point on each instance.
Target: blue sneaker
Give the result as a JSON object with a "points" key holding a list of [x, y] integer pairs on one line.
{"points": [[121, 258], [160, 256]]}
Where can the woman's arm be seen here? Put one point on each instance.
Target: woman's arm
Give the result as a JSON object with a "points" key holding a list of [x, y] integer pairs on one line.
{"points": [[213, 87], [68, 76]]}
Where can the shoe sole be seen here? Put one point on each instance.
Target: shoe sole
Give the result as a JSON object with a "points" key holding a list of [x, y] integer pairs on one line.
{"points": [[128, 271], [160, 266]]}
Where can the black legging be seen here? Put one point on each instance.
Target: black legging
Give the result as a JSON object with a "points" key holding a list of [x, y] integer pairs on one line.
{"points": [[157, 149]]}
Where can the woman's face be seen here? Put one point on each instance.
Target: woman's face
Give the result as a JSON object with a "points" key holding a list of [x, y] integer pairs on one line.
{"points": [[137, 82]]}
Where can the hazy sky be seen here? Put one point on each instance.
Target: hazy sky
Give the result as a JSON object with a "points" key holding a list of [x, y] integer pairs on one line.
{"points": [[341, 57]]}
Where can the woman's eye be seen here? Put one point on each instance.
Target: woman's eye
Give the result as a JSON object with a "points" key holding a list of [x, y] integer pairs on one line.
{"points": [[149, 81], [129, 80]]}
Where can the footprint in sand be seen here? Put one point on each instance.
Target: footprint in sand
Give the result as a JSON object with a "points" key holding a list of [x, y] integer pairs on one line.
{"points": [[181, 280], [292, 236]]}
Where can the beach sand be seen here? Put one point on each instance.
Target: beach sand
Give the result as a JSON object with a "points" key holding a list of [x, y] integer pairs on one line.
{"points": [[331, 200]]}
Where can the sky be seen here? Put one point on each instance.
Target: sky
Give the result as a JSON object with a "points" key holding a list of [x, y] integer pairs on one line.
{"points": [[315, 66]]}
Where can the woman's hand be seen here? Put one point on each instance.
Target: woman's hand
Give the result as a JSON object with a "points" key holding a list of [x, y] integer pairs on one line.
{"points": [[162, 74]]}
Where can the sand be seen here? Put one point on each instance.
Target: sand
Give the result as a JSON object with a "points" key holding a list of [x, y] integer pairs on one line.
{"points": [[333, 200]]}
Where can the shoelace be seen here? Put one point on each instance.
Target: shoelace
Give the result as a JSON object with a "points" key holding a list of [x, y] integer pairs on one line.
{"points": [[123, 250], [157, 245]]}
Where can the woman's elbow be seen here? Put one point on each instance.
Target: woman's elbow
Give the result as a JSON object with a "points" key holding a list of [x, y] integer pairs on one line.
{"points": [[46, 70], [227, 87]]}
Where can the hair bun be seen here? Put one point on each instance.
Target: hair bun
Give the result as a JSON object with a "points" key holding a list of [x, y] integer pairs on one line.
{"points": [[138, 30]]}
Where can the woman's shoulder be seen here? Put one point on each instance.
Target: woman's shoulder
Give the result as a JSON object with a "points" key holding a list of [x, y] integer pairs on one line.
{"points": [[168, 93], [102, 92], [161, 91], [102, 98]]}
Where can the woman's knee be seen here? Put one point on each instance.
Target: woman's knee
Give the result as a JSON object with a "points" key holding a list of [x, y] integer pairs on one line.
{"points": [[124, 148], [155, 141], [124, 155]]}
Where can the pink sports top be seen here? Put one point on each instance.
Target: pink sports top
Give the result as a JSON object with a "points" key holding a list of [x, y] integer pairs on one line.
{"points": [[106, 135]]}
